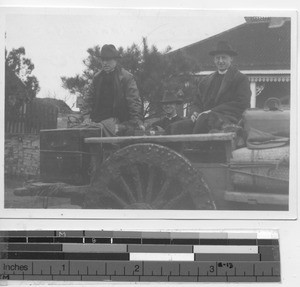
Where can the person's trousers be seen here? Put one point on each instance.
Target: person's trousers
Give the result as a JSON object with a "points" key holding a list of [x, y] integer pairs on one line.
{"points": [[187, 126]]}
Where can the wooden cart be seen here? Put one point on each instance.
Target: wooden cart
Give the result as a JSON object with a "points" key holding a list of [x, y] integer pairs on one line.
{"points": [[140, 172]]}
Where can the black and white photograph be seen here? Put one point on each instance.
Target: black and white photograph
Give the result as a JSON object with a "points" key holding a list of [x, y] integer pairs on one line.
{"points": [[163, 111]]}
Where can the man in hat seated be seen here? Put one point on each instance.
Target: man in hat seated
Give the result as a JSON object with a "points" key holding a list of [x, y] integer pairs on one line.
{"points": [[169, 106], [113, 101], [222, 96]]}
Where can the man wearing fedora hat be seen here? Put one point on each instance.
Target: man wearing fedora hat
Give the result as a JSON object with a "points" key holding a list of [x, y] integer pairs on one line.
{"points": [[222, 96], [113, 98], [169, 105]]}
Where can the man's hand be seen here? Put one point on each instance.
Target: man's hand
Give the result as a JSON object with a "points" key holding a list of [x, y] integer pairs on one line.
{"points": [[141, 127], [195, 115], [205, 112], [86, 120]]}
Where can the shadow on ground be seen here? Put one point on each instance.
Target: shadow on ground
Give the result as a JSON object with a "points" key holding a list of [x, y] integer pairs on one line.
{"points": [[13, 201]]}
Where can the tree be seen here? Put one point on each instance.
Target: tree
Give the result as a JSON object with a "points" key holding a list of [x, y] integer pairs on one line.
{"points": [[131, 58], [161, 71], [79, 84], [23, 67], [181, 70], [153, 70]]}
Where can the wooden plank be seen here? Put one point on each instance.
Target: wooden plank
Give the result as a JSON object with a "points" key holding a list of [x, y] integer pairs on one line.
{"points": [[162, 138], [67, 152], [52, 190], [259, 163], [256, 198]]}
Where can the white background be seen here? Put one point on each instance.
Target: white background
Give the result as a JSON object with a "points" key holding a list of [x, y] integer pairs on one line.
{"points": [[289, 230]]}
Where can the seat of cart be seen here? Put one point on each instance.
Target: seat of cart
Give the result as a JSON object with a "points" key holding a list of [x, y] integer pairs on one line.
{"points": [[214, 147]]}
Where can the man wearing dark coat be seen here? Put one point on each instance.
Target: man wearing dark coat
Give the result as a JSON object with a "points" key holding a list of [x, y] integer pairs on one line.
{"points": [[169, 106], [222, 96], [113, 99]]}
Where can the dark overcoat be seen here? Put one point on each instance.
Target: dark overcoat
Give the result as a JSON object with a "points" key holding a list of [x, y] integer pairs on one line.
{"points": [[232, 99], [127, 105]]}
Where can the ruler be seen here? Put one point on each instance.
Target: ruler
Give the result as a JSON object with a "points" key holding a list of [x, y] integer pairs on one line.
{"points": [[140, 256]]}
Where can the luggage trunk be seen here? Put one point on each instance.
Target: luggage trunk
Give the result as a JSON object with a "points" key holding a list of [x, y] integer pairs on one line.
{"points": [[64, 157], [274, 122]]}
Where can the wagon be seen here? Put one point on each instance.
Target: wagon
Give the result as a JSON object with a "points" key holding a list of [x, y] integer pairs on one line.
{"points": [[181, 172]]}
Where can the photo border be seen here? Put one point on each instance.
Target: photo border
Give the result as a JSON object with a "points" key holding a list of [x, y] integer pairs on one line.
{"points": [[9, 213]]}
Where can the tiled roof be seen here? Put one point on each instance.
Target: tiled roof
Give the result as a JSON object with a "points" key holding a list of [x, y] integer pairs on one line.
{"points": [[62, 106], [259, 47]]}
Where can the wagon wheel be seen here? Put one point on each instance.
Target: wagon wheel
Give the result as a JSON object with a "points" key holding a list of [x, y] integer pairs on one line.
{"points": [[148, 176]]}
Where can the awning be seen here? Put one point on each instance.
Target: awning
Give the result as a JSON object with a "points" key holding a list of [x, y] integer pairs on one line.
{"points": [[269, 78], [261, 75]]}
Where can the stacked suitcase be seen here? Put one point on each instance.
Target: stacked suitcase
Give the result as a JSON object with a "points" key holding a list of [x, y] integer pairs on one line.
{"points": [[64, 157], [261, 174]]}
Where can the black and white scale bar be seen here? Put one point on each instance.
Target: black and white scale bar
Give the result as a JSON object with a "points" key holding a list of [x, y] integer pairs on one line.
{"points": [[164, 257], [118, 252], [265, 252], [146, 241], [65, 256], [143, 252]]}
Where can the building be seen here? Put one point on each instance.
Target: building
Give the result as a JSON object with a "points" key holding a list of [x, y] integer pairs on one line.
{"points": [[264, 54], [23, 121]]}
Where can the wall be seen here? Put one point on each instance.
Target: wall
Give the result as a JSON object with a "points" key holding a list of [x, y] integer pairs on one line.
{"points": [[22, 154], [22, 151]]}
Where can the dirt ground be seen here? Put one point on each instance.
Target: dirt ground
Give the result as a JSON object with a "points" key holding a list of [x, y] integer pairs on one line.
{"points": [[13, 201]]}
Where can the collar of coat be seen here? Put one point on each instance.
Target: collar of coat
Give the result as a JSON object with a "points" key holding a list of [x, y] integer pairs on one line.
{"points": [[226, 82], [222, 72], [118, 70]]}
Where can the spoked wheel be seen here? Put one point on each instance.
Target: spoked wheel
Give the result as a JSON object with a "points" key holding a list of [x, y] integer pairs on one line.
{"points": [[148, 176]]}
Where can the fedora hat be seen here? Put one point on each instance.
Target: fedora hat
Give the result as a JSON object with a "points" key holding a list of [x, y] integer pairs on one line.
{"points": [[223, 48], [109, 52], [169, 98]]}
